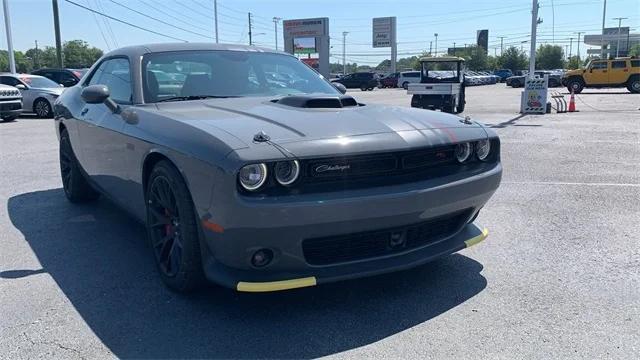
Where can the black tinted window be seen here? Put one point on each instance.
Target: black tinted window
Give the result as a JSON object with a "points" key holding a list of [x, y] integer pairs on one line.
{"points": [[8, 80], [116, 76], [618, 64], [635, 63], [599, 65]]}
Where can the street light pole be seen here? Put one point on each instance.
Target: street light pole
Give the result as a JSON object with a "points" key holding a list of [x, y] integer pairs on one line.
{"points": [[570, 48], [344, 49], [618, 45], [275, 28], [215, 17], [579, 33], [436, 35], [604, 14], [7, 25], [534, 29]]}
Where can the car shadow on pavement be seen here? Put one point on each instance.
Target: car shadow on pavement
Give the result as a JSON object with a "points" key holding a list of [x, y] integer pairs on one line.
{"points": [[98, 257]]}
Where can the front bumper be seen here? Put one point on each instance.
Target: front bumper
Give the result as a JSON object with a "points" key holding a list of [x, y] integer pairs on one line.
{"points": [[10, 108], [233, 233]]}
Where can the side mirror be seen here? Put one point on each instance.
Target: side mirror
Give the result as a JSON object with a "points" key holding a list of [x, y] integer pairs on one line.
{"points": [[340, 87], [98, 94], [20, 87]]}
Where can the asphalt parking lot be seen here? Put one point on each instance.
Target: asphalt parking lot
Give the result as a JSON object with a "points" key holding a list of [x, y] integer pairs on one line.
{"points": [[558, 277]]}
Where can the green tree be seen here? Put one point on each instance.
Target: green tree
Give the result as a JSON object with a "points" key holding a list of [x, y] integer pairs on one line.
{"points": [[635, 50], [549, 57], [513, 59], [476, 58], [574, 63], [78, 54]]}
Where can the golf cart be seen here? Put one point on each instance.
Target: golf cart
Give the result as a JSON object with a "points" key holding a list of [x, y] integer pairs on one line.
{"points": [[441, 85]]}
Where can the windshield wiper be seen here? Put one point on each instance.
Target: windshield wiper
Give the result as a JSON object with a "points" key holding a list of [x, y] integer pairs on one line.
{"points": [[196, 97]]}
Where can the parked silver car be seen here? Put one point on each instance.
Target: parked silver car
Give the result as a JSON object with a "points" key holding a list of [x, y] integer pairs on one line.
{"points": [[10, 103], [38, 92], [263, 186]]}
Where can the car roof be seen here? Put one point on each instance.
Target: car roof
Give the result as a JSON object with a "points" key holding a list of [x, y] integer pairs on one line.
{"points": [[139, 50], [441, 59]]}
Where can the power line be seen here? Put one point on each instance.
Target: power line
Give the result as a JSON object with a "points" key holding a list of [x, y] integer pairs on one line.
{"points": [[173, 16], [158, 20], [124, 22], [107, 24], [95, 18]]}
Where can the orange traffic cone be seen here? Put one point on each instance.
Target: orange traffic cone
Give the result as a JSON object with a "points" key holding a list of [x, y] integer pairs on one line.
{"points": [[572, 103]]}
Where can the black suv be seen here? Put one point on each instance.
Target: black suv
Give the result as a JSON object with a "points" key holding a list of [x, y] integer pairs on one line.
{"points": [[66, 77], [362, 80]]}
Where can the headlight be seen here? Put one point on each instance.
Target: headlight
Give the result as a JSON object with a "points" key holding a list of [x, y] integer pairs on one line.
{"points": [[252, 176], [463, 152], [483, 147], [287, 172]]}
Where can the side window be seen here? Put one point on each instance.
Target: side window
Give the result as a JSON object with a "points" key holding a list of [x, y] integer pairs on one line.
{"points": [[618, 64], [115, 74], [599, 65], [8, 80], [67, 79], [635, 63]]}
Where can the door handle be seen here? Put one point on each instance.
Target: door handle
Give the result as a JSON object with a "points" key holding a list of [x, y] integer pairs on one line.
{"points": [[84, 111]]}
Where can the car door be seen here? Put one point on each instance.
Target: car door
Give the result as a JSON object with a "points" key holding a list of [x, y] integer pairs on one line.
{"points": [[597, 73], [619, 72], [348, 81], [100, 129]]}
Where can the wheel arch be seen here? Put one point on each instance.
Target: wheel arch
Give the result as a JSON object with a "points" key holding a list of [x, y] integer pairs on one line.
{"points": [[149, 162]]}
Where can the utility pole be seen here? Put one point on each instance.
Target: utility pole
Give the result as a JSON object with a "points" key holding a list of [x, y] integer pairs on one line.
{"points": [[56, 25], [534, 29], [454, 48], [604, 14], [215, 17], [7, 25], [35, 57], [275, 27], [430, 44], [619, 23], [344, 49], [250, 41], [436, 35], [579, 33], [501, 43], [570, 47]]}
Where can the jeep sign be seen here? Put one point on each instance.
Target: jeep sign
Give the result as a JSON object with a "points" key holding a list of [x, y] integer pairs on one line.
{"points": [[384, 31]]}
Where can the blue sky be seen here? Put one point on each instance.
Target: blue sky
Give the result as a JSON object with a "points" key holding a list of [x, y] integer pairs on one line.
{"points": [[454, 21]]}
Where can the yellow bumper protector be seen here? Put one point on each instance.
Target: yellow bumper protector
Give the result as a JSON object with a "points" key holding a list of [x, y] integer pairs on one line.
{"points": [[276, 285], [477, 239]]}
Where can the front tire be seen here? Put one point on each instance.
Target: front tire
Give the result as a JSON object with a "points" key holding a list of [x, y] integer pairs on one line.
{"points": [[8, 119], [75, 185], [575, 85], [42, 108], [173, 230], [405, 85]]}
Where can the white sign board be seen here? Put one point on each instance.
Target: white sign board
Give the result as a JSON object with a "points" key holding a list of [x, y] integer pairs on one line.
{"points": [[305, 27], [384, 31], [534, 96]]}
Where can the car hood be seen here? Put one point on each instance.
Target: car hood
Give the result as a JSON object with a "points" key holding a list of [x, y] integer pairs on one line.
{"points": [[52, 91], [245, 117]]}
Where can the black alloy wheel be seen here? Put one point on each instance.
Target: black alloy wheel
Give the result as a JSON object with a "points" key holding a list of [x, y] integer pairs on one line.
{"points": [[74, 183], [172, 229]]}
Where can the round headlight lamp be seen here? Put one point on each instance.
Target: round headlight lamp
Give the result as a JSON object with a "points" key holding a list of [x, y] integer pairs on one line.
{"points": [[287, 172], [463, 152], [253, 176], [483, 148]]}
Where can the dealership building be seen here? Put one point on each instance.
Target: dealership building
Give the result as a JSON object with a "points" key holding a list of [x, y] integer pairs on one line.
{"points": [[609, 41]]}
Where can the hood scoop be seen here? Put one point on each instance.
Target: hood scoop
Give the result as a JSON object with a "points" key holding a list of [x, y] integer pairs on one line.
{"points": [[317, 101]]}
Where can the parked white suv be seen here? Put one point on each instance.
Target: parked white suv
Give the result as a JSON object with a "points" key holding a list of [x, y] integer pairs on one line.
{"points": [[10, 103], [407, 77]]}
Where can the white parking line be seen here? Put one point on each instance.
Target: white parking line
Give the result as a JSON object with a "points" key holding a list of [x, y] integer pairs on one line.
{"points": [[568, 183]]}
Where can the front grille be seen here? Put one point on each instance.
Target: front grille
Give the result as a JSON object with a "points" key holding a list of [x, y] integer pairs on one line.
{"points": [[10, 106], [365, 245]]}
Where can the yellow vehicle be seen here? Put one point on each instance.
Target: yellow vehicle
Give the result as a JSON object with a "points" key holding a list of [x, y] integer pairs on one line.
{"points": [[619, 72]]}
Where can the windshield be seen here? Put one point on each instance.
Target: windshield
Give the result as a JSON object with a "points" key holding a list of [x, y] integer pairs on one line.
{"points": [[224, 73], [38, 82]]}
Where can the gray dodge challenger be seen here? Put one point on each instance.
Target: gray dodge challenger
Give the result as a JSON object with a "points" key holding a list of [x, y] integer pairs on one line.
{"points": [[252, 171]]}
